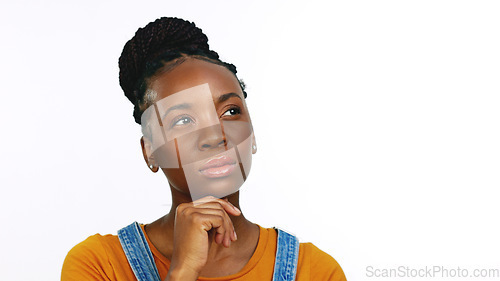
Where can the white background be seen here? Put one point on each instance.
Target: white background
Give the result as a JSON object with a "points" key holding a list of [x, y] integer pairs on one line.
{"points": [[377, 125]]}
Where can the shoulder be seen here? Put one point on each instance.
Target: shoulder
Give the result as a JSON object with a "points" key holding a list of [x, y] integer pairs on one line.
{"points": [[322, 265], [316, 254], [95, 245], [90, 258], [314, 263]]}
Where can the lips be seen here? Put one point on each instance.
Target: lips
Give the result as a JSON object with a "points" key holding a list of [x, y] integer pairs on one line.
{"points": [[217, 167]]}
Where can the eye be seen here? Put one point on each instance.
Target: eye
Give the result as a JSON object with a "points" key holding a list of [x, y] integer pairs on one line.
{"points": [[183, 120], [232, 111]]}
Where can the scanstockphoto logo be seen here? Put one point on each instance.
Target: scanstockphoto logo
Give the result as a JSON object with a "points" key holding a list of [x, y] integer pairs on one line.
{"points": [[433, 271]]}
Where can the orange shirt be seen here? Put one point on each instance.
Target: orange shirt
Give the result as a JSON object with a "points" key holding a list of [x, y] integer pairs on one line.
{"points": [[102, 258]]}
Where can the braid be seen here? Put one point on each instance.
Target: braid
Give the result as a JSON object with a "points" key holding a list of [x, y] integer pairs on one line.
{"points": [[157, 44]]}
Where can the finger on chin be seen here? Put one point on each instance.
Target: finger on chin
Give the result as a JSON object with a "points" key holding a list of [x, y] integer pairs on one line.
{"points": [[204, 200]]}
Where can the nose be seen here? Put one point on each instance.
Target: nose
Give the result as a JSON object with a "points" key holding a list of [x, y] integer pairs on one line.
{"points": [[211, 137]]}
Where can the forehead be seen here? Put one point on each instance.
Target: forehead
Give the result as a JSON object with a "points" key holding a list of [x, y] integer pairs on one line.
{"points": [[195, 72]]}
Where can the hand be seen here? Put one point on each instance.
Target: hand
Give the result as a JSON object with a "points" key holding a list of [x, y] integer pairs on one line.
{"points": [[196, 226]]}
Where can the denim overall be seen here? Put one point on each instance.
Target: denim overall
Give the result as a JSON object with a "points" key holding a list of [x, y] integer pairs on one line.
{"points": [[141, 259]]}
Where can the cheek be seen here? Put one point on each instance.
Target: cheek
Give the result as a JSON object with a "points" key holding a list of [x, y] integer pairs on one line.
{"points": [[236, 132], [167, 158], [239, 134], [245, 151], [166, 155]]}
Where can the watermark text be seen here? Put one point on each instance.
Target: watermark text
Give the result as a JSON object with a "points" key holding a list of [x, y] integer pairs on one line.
{"points": [[436, 271]]}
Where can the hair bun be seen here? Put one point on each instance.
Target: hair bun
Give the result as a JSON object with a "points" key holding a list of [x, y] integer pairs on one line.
{"points": [[166, 34]]}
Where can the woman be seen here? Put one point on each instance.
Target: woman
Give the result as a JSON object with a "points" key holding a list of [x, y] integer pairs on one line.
{"points": [[197, 131]]}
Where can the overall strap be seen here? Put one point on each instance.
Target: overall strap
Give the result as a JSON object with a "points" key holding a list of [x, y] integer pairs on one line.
{"points": [[138, 254], [287, 256]]}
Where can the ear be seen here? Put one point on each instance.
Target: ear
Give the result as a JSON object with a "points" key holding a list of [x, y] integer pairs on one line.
{"points": [[147, 154], [254, 144]]}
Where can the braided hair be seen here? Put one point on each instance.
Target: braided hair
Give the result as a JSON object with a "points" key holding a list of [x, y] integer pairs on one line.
{"points": [[164, 43]]}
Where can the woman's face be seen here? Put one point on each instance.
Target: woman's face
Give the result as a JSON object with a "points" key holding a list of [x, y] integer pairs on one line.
{"points": [[198, 131]]}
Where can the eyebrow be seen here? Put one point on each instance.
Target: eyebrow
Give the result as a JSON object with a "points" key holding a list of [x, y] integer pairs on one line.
{"points": [[176, 107], [225, 97]]}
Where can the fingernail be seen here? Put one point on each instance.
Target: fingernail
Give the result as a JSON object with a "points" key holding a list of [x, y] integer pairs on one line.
{"points": [[236, 209], [235, 236]]}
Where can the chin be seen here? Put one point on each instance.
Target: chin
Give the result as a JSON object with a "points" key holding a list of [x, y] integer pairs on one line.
{"points": [[201, 186]]}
